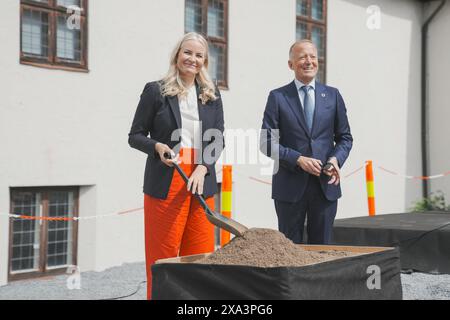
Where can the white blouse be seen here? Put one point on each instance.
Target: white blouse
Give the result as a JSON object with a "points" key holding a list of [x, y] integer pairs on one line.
{"points": [[190, 122]]}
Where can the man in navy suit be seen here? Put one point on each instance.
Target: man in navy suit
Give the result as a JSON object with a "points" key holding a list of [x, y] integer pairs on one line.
{"points": [[305, 129]]}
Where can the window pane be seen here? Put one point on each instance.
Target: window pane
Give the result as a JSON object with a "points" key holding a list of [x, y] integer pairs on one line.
{"points": [[321, 73], [68, 3], [302, 31], [35, 32], [26, 236], [302, 8], [59, 247], [317, 9], [216, 19], [216, 62], [193, 16], [318, 38], [68, 40]]}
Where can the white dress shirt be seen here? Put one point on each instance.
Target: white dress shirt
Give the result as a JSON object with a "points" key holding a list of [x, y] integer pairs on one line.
{"points": [[301, 93], [190, 123]]}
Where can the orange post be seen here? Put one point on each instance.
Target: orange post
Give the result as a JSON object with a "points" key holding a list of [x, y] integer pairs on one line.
{"points": [[226, 201], [370, 188]]}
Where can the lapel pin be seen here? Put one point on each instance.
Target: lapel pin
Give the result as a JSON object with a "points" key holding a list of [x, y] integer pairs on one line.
{"points": [[323, 95]]}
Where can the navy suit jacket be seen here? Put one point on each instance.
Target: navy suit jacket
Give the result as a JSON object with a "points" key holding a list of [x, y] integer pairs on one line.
{"points": [[330, 136], [159, 117]]}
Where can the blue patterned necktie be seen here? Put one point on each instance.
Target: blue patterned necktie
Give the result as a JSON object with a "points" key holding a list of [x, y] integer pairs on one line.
{"points": [[308, 107]]}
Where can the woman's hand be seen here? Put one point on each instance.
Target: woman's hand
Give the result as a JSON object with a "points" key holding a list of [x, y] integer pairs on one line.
{"points": [[164, 148], [196, 180]]}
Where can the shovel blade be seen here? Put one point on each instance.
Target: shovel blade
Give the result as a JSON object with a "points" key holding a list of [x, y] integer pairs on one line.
{"points": [[225, 223]]}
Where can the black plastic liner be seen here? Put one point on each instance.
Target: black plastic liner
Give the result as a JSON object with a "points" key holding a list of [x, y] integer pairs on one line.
{"points": [[423, 238], [345, 278]]}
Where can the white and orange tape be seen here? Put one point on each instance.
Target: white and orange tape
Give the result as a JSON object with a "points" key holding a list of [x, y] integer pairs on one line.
{"points": [[228, 171], [42, 218], [414, 177]]}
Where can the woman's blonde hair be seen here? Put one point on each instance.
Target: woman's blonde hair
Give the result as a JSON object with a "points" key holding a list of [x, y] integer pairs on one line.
{"points": [[171, 84]]}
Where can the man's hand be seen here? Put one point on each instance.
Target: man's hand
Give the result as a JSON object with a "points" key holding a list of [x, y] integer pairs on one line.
{"points": [[196, 180], [310, 165], [164, 148], [334, 172]]}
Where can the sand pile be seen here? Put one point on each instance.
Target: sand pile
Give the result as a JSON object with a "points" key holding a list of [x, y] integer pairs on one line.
{"points": [[268, 248]]}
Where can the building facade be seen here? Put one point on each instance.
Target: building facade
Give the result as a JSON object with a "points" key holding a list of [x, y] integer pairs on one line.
{"points": [[68, 98]]}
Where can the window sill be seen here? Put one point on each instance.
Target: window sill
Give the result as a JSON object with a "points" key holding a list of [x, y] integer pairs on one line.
{"points": [[54, 66], [17, 276]]}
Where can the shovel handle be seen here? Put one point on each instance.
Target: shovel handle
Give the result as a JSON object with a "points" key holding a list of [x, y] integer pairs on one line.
{"points": [[186, 179]]}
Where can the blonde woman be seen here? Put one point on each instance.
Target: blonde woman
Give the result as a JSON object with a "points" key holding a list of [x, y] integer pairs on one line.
{"points": [[176, 112]]}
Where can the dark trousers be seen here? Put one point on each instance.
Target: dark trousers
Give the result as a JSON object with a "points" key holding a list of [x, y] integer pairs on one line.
{"points": [[319, 211]]}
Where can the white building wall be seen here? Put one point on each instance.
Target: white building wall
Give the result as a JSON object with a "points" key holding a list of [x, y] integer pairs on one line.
{"points": [[9, 26], [76, 134], [258, 53], [439, 97], [378, 74], [127, 50], [69, 128]]}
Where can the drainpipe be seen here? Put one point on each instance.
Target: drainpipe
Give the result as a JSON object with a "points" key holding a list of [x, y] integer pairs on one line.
{"points": [[424, 94]]}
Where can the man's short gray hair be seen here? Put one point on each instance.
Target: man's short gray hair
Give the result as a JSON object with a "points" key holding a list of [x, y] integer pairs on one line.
{"points": [[298, 42]]}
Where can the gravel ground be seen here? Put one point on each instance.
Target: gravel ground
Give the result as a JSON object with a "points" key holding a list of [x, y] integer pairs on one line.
{"points": [[111, 283], [128, 278], [424, 286]]}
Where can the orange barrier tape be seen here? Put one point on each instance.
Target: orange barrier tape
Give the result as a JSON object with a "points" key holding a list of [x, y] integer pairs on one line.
{"points": [[259, 180], [371, 206], [131, 210], [270, 183], [26, 217], [414, 177], [45, 218], [357, 170]]}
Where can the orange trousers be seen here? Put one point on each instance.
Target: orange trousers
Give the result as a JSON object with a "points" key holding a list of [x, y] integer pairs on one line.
{"points": [[177, 225]]}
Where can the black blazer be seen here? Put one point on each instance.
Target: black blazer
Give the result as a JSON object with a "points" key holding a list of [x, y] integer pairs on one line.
{"points": [[159, 116]]}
